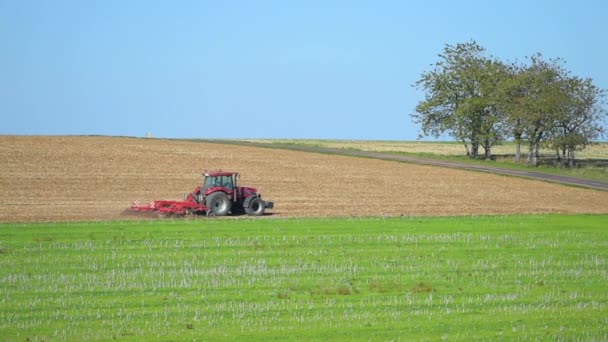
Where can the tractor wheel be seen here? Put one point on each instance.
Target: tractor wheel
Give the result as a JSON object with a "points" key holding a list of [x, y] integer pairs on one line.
{"points": [[256, 207], [218, 204]]}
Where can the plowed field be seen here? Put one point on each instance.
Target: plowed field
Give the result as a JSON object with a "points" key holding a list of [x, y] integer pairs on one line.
{"points": [[96, 178]]}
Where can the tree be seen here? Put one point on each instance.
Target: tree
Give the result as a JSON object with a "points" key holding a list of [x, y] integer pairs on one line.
{"points": [[512, 90], [460, 98], [533, 98], [580, 123], [543, 104], [481, 101]]}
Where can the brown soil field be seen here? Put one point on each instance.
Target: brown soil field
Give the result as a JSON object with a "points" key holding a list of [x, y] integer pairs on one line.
{"points": [[96, 178]]}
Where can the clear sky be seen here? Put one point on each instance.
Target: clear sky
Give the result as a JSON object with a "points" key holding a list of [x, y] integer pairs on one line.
{"points": [[261, 69]]}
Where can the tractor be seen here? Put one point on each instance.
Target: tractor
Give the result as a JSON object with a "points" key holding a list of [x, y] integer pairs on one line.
{"points": [[219, 195]]}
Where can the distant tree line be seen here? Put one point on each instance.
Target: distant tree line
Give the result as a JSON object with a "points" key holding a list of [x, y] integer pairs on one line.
{"points": [[482, 101]]}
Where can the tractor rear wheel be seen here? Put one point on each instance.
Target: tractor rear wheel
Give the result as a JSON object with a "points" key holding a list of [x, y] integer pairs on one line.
{"points": [[218, 204], [256, 207]]}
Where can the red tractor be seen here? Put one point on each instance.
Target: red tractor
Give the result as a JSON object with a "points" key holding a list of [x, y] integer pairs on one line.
{"points": [[218, 196]]}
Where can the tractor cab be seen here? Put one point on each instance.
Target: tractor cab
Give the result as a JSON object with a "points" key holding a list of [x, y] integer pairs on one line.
{"points": [[220, 179]]}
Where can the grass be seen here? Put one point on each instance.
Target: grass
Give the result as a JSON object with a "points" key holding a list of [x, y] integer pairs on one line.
{"points": [[494, 277], [446, 148], [454, 151], [592, 173]]}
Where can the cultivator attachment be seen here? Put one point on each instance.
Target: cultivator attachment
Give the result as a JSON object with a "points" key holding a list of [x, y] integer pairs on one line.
{"points": [[169, 207]]}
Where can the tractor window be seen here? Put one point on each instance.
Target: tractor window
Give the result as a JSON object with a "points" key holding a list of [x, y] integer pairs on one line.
{"points": [[208, 182], [219, 181], [227, 182]]}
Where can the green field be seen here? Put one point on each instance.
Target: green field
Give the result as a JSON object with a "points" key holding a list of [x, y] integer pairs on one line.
{"points": [[496, 277]]}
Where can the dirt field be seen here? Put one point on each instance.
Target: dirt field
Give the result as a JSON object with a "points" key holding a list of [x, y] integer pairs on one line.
{"points": [[96, 178]]}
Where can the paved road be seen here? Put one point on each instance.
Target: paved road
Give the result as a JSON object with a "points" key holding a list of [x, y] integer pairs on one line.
{"points": [[425, 161]]}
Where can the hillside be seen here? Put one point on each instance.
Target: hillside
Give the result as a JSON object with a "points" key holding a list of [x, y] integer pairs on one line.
{"points": [[96, 178]]}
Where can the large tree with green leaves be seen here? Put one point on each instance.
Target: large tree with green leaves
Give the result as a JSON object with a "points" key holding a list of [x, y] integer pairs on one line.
{"points": [[480, 101], [580, 121], [511, 92], [544, 105], [533, 98], [460, 97]]}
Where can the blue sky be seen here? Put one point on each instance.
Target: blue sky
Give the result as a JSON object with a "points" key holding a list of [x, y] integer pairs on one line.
{"points": [[260, 69]]}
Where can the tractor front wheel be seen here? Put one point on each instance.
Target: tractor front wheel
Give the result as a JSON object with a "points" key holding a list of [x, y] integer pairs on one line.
{"points": [[218, 204], [256, 207]]}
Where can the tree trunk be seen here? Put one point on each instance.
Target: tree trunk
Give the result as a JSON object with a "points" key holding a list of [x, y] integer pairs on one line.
{"points": [[535, 159], [571, 157], [530, 153], [466, 147], [562, 158], [535, 140], [517, 147], [474, 149], [487, 148], [533, 154]]}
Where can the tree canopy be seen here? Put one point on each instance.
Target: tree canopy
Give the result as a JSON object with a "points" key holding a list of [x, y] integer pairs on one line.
{"points": [[481, 101]]}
